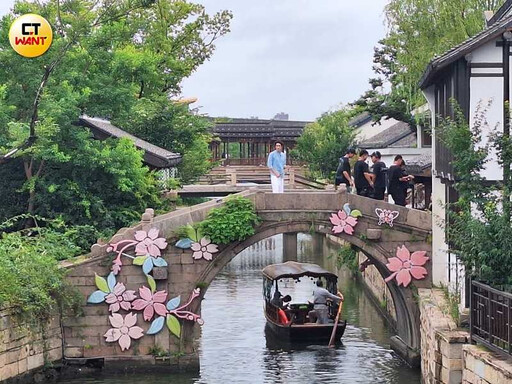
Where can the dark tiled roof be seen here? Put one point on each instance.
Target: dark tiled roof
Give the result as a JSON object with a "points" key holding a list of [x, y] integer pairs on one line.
{"points": [[153, 155], [419, 164], [398, 135], [258, 128], [501, 13], [464, 48], [360, 119]]}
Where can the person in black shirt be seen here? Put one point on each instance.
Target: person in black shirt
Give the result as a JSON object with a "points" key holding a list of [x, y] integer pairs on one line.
{"points": [[343, 171], [398, 181], [362, 176], [379, 176]]}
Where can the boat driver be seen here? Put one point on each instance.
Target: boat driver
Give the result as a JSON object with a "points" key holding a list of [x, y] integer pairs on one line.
{"points": [[320, 297]]}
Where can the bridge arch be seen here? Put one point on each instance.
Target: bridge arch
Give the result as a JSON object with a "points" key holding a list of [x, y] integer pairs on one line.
{"points": [[407, 342], [291, 212]]}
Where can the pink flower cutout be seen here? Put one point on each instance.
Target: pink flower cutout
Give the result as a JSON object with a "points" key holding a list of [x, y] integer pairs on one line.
{"points": [[124, 330], [406, 265], [150, 303], [343, 223], [149, 243], [204, 249], [120, 298]]}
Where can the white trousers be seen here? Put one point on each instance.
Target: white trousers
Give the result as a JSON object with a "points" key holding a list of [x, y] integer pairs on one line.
{"points": [[277, 184]]}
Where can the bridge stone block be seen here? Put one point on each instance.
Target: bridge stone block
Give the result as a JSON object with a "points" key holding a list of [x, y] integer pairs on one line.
{"points": [[373, 234]]}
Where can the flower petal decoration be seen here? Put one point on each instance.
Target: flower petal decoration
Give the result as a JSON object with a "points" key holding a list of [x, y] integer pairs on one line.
{"points": [[149, 243], [150, 302], [123, 330], [342, 222], [405, 266], [120, 298], [204, 249]]}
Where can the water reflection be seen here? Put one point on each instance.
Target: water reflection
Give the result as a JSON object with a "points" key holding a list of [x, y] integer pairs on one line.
{"points": [[234, 347]]}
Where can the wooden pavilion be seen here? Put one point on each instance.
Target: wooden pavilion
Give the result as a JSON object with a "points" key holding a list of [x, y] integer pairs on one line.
{"points": [[249, 141]]}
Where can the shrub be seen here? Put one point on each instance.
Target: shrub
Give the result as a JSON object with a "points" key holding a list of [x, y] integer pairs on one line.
{"points": [[235, 221]]}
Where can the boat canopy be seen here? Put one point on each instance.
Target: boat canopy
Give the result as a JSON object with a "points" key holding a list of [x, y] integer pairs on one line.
{"points": [[295, 270]]}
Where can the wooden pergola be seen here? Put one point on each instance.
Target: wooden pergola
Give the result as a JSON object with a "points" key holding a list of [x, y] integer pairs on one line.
{"points": [[249, 141]]}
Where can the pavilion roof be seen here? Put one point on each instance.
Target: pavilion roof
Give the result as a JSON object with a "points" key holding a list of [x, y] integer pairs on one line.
{"points": [[154, 156], [258, 129]]}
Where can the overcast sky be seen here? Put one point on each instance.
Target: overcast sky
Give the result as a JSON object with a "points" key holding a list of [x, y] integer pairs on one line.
{"points": [[302, 57]]}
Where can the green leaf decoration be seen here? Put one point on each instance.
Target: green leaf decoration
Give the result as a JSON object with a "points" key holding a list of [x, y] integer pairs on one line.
{"points": [[174, 325], [199, 234], [139, 260], [101, 283], [356, 213], [191, 232], [152, 283]]}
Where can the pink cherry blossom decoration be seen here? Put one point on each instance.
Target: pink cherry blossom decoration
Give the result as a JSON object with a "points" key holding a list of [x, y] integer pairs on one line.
{"points": [[120, 298], [343, 223], [150, 303], [124, 330], [149, 243], [406, 266], [204, 249]]}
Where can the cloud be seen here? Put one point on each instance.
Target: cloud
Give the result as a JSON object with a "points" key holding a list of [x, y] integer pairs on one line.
{"points": [[296, 56]]}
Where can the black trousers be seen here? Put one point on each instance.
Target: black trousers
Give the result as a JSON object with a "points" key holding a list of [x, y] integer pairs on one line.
{"points": [[364, 191], [399, 197], [378, 193]]}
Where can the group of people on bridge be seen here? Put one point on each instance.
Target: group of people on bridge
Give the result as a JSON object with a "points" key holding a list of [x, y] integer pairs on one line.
{"points": [[364, 181], [374, 182]]}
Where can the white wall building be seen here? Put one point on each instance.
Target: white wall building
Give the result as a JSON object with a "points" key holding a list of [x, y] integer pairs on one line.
{"points": [[476, 72]]}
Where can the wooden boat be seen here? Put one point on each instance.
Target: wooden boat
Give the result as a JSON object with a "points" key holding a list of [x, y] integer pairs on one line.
{"points": [[298, 327]]}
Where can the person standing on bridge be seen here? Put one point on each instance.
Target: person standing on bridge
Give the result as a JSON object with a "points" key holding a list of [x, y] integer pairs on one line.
{"points": [[362, 175], [398, 181], [276, 164], [379, 171], [343, 171]]}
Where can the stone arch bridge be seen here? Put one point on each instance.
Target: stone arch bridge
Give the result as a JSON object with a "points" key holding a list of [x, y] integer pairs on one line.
{"points": [[96, 336]]}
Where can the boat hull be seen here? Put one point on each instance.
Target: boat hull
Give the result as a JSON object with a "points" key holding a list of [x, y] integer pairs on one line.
{"points": [[309, 332]]}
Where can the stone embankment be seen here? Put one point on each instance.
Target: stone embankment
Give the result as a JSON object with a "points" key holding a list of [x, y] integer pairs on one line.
{"points": [[446, 355]]}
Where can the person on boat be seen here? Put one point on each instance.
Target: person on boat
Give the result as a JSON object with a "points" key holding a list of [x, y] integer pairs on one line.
{"points": [[277, 300], [320, 297], [281, 301]]}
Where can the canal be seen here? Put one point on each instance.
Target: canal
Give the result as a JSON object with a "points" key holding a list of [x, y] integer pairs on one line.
{"points": [[235, 347]]}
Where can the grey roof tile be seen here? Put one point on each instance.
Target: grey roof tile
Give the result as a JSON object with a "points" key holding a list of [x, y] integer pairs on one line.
{"points": [[103, 128]]}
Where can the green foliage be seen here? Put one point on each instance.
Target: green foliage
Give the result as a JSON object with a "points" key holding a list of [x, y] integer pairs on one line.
{"points": [[452, 308], [347, 256], [173, 127], [323, 142], [29, 293], [479, 223], [172, 184], [418, 30], [121, 60], [158, 351], [235, 221]]}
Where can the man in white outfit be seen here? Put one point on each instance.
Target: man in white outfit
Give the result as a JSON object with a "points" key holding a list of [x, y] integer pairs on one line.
{"points": [[276, 163]]}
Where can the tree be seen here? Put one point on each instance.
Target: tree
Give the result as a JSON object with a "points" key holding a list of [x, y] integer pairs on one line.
{"points": [[479, 223], [107, 58], [323, 142], [418, 30]]}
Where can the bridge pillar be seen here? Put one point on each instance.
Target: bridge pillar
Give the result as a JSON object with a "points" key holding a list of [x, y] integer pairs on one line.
{"points": [[290, 246], [318, 243]]}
